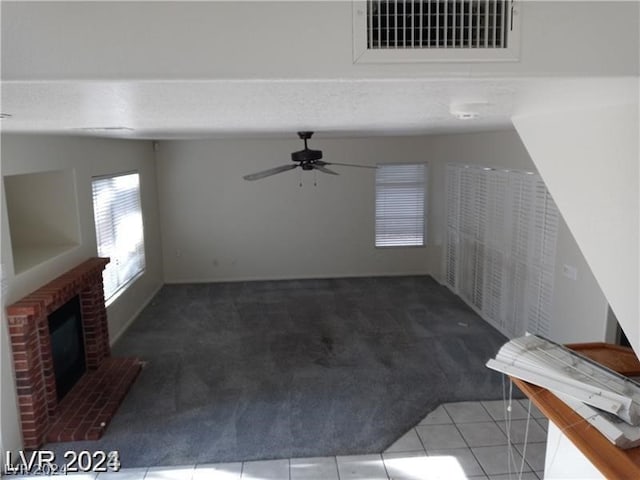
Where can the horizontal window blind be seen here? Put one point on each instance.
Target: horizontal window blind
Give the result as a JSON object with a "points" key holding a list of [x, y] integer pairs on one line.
{"points": [[119, 229], [500, 251], [400, 205]]}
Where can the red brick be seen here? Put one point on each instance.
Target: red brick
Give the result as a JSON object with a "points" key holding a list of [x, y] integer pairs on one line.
{"points": [[28, 329], [93, 401]]}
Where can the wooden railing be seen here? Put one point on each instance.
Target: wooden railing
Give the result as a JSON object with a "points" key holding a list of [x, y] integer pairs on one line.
{"points": [[613, 462]]}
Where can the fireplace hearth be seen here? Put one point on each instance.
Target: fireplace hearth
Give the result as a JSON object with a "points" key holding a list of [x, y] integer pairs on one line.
{"points": [[67, 385]]}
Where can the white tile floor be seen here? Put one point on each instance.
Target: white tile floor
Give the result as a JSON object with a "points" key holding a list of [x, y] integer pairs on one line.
{"points": [[466, 440]]}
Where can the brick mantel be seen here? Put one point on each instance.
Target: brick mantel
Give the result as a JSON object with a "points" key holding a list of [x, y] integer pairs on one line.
{"points": [[31, 344]]}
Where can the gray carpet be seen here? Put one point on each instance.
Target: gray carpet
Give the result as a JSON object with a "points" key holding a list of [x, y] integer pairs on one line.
{"points": [[259, 370]]}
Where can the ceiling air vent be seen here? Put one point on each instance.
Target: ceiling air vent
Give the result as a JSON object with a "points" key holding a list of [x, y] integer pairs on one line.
{"points": [[435, 30]]}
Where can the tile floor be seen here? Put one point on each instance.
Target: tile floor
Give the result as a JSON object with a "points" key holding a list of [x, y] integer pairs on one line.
{"points": [[466, 440]]}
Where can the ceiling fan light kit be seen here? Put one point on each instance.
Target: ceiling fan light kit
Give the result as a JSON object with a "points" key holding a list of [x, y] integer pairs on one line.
{"points": [[306, 159], [306, 156]]}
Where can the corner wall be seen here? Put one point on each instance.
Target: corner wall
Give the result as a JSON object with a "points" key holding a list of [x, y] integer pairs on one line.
{"points": [[217, 226], [589, 159], [87, 157]]}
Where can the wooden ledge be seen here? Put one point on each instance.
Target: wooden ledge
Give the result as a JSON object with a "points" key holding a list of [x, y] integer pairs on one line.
{"points": [[613, 462], [44, 300]]}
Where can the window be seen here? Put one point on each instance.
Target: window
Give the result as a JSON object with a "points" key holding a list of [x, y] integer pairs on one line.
{"points": [[400, 198], [119, 230]]}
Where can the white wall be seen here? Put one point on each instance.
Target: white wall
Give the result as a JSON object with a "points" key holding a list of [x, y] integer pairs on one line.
{"points": [[286, 39], [87, 157], [563, 460], [217, 226], [589, 160], [579, 306]]}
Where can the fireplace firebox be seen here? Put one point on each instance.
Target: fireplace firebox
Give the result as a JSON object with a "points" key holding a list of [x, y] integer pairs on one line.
{"points": [[67, 345]]}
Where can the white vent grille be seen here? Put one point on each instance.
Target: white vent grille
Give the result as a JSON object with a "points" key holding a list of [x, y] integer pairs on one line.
{"points": [[437, 23], [435, 30]]}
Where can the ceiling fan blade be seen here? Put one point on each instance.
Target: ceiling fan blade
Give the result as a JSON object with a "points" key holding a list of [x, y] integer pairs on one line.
{"points": [[350, 165], [271, 171], [325, 170]]}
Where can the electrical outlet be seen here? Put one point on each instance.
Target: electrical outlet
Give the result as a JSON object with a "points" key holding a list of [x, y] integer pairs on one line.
{"points": [[570, 272]]}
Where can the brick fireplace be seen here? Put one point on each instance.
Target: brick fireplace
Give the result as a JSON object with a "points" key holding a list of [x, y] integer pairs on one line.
{"points": [[85, 411]]}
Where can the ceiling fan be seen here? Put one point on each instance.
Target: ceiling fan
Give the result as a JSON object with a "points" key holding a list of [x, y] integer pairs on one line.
{"points": [[306, 159]]}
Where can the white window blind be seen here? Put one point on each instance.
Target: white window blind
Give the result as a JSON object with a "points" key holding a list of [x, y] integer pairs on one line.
{"points": [[400, 205], [119, 229], [453, 221], [500, 252], [545, 226]]}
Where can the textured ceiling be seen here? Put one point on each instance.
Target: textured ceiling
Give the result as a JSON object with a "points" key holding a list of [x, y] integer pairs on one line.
{"points": [[214, 109], [162, 110]]}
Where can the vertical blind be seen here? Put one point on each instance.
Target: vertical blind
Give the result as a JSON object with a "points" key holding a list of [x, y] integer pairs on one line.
{"points": [[501, 239], [119, 229], [400, 205]]}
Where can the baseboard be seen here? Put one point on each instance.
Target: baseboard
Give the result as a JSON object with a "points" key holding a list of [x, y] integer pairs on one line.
{"points": [[441, 281], [178, 281], [135, 314], [477, 311]]}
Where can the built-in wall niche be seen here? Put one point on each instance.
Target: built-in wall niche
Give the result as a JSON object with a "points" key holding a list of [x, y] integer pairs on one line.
{"points": [[43, 216]]}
